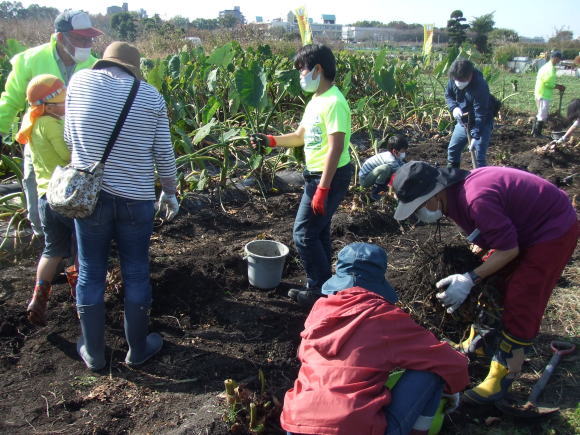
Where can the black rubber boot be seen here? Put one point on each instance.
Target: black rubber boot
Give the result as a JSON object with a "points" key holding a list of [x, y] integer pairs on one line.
{"points": [[304, 297], [455, 165], [537, 129], [142, 345], [91, 344]]}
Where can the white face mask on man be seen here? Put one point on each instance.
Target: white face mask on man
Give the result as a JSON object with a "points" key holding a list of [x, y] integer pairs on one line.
{"points": [[461, 85], [80, 54], [308, 84], [428, 216]]}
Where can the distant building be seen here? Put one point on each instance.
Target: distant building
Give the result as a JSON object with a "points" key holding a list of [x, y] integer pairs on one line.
{"points": [[328, 19], [328, 29], [117, 9], [235, 12], [534, 40], [259, 19], [366, 34]]}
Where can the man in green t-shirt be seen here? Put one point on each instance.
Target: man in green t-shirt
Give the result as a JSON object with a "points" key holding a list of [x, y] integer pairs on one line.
{"points": [[68, 51], [325, 134], [544, 91]]}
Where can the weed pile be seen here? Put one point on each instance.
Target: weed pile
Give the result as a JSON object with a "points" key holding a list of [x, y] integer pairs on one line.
{"points": [[431, 262]]}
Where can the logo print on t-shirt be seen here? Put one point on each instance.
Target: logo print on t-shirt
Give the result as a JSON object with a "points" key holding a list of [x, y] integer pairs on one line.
{"points": [[313, 133]]}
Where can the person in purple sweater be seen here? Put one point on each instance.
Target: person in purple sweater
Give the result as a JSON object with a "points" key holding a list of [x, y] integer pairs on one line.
{"points": [[532, 229]]}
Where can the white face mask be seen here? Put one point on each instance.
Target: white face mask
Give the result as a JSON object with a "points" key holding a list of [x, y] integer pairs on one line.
{"points": [[308, 84], [402, 156], [427, 216], [460, 85], [80, 53]]}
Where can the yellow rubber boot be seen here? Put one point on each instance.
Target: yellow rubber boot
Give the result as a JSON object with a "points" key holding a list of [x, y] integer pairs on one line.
{"points": [[494, 386], [506, 365], [473, 345]]}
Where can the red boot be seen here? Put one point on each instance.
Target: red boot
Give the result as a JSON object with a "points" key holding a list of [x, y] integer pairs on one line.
{"points": [[72, 276], [37, 307]]}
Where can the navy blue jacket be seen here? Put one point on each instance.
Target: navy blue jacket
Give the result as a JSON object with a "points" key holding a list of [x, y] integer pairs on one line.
{"points": [[474, 99]]}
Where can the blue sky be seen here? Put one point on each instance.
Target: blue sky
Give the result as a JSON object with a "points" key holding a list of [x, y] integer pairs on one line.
{"points": [[527, 17]]}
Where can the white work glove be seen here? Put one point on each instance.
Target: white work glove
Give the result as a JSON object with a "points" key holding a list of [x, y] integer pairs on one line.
{"points": [[168, 206], [457, 114], [458, 288], [472, 145], [452, 402]]}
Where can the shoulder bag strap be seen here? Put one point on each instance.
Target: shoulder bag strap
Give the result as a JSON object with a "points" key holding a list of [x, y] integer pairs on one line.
{"points": [[121, 120]]}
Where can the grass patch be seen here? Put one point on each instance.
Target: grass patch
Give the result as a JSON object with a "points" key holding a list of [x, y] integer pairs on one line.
{"points": [[86, 381]]}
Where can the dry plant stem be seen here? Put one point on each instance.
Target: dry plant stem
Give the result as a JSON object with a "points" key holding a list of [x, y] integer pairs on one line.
{"points": [[230, 386], [253, 415]]}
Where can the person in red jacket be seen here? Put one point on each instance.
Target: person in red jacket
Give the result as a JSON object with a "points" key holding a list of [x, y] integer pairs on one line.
{"points": [[353, 339]]}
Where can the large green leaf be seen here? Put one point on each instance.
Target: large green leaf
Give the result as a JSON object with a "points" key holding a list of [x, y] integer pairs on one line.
{"points": [[13, 164], [250, 84], [202, 132], [212, 79], [255, 161], [385, 79], [290, 81], [380, 60], [187, 145], [222, 56], [156, 75], [229, 135], [174, 67], [210, 109], [346, 81]]}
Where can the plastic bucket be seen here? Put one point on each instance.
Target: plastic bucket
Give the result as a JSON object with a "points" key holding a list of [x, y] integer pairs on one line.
{"points": [[265, 262]]}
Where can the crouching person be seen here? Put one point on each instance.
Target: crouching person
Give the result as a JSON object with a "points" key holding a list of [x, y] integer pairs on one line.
{"points": [[352, 341], [378, 171], [125, 208]]}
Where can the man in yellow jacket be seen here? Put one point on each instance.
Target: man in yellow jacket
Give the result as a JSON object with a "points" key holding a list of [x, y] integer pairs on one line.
{"points": [[68, 51], [545, 85]]}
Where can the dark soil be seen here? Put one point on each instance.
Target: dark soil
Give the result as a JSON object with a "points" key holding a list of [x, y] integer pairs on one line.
{"points": [[217, 327]]}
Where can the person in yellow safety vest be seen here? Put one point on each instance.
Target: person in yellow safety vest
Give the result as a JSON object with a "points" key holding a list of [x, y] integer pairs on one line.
{"points": [[543, 92], [68, 51]]}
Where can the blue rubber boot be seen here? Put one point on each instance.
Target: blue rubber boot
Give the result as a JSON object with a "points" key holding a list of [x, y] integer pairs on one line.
{"points": [[91, 344], [142, 345]]}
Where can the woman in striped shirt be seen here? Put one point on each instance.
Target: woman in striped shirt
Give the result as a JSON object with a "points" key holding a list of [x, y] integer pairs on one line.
{"points": [[125, 209]]}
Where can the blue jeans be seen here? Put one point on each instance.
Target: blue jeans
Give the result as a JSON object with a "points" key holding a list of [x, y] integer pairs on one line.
{"points": [[459, 141], [312, 232], [130, 223], [416, 394]]}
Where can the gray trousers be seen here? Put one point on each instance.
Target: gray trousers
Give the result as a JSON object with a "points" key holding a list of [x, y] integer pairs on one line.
{"points": [[29, 188]]}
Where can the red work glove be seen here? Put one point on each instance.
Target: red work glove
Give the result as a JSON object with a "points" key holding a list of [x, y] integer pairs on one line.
{"points": [[319, 200], [258, 139], [487, 255]]}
